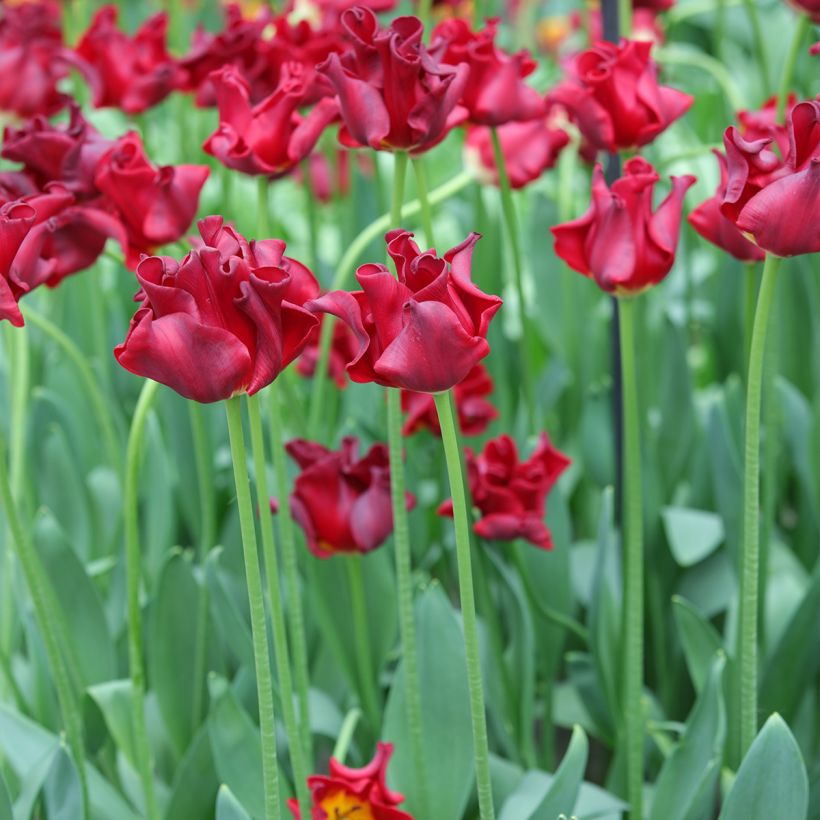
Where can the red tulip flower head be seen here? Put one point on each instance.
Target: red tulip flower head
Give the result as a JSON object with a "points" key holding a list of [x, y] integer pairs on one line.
{"points": [[341, 501], [423, 332], [393, 94], [615, 98], [512, 494], [343, 349], [358, 794], [620, 242], [224, 321], [774, 202], [810, 7]]}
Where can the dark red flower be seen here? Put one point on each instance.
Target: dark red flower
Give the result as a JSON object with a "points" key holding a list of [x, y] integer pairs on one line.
{"points": [[226, 320], [655, 5], [619, 241], [393, 94], [32, 59], [355, 793], [129, 73], [810, 7], [512, 494], [269, 138], [328, 178], [776, 202], [614, 96], [341, 501], [815, 49], [157, 205], [495, 91], [763, 123], [343, 349], [474, 411], [423, 332], [712, 225], [326, 13], [529, 149]]}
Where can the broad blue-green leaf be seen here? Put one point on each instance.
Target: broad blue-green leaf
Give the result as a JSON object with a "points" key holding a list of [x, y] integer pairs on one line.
{"points": [[771, 781], [62, 791], [563, 791], [446, 725], [228, 807], [31, 785], [526, 798], [114, 700], [5, 801], [699, 638], [685, 789], [195, 782], [692, 534]]}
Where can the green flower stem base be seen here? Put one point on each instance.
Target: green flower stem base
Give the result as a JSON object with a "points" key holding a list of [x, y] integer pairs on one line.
{"points": [[750, 554], [444, 408], [261, 656], [364, 657]]}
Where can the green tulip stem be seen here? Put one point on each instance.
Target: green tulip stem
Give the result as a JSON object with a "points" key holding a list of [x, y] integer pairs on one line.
{"points": [[632, 537], [256, 601], [312, 219], [801, 30], [346, 734], [449, 437], [262, 205], [760, 46], [750, 554], [295, 612], [204, 479], [364, 657], [273, 574], [625, 18], [133, 572], [749, 302], [511, 221], [424, 199]]}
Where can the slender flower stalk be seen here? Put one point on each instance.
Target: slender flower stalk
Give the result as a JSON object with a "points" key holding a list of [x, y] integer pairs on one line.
{"points": [[280, 640], [261, 655], [444, 407], [760, 45], [312, 219], [346, 734], [750, 555], [633, 565], [133, 459], [749, 302], [424, 200], [262, 205], [204, 479]]}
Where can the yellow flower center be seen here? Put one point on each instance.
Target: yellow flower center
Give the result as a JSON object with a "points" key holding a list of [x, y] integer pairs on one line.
{"points": [[345, 806]]}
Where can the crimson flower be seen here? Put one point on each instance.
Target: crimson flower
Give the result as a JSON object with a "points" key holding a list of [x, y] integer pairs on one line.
{"points": [[763, 123], [775, 202], [129, 73], [529, 149], [495, 92], [512, 494], [423, 332], [655, 5], [271, 137], [355, 793], [393, 94], [343, 349], [226, 320], [614, 96], [815, 49], [327, 178], [619, 241], [810, 7], [341, 501], [474, 411]]}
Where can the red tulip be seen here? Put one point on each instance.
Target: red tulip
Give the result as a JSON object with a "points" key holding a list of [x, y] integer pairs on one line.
{"points": [[474, 411], [355, 793], [773, 201], [810, 7], [341, 501], [512, 494], [224, 321], [614, 96], [343, 349], [129, 73], [619, 241], [393, 94], [815, 49], [655, 5], [495, 92], [328, 178], [271, 137], [712, 225], [529, 149], [763, 123], [424, 332], [157, 205]]}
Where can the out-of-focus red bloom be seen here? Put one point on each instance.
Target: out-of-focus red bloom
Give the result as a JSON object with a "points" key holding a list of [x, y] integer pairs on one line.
{"points": [[32, 59], [763, 123], [358, 794], [268, 138], [325, 14], [474, 411], [614, 96], [327, 178], [815, 49], [495, 91], [221, 322], [776, 202], [512, 494], [157, 205], [810, 7], [423, 332], [712, 225], [619, 241], [343, 349], [529, 148], [129, 73], [341, 501], [654, 5], [393, 94]]}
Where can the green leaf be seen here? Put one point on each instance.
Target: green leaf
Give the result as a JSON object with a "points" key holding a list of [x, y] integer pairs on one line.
{"points": [[62, 791], [685, 789], [692, 534], [529, 794], [771, 781], [446, 725], [114, 700], [563, 791], [699, 638], [195, 783], [5, 801], [228, 807]]}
